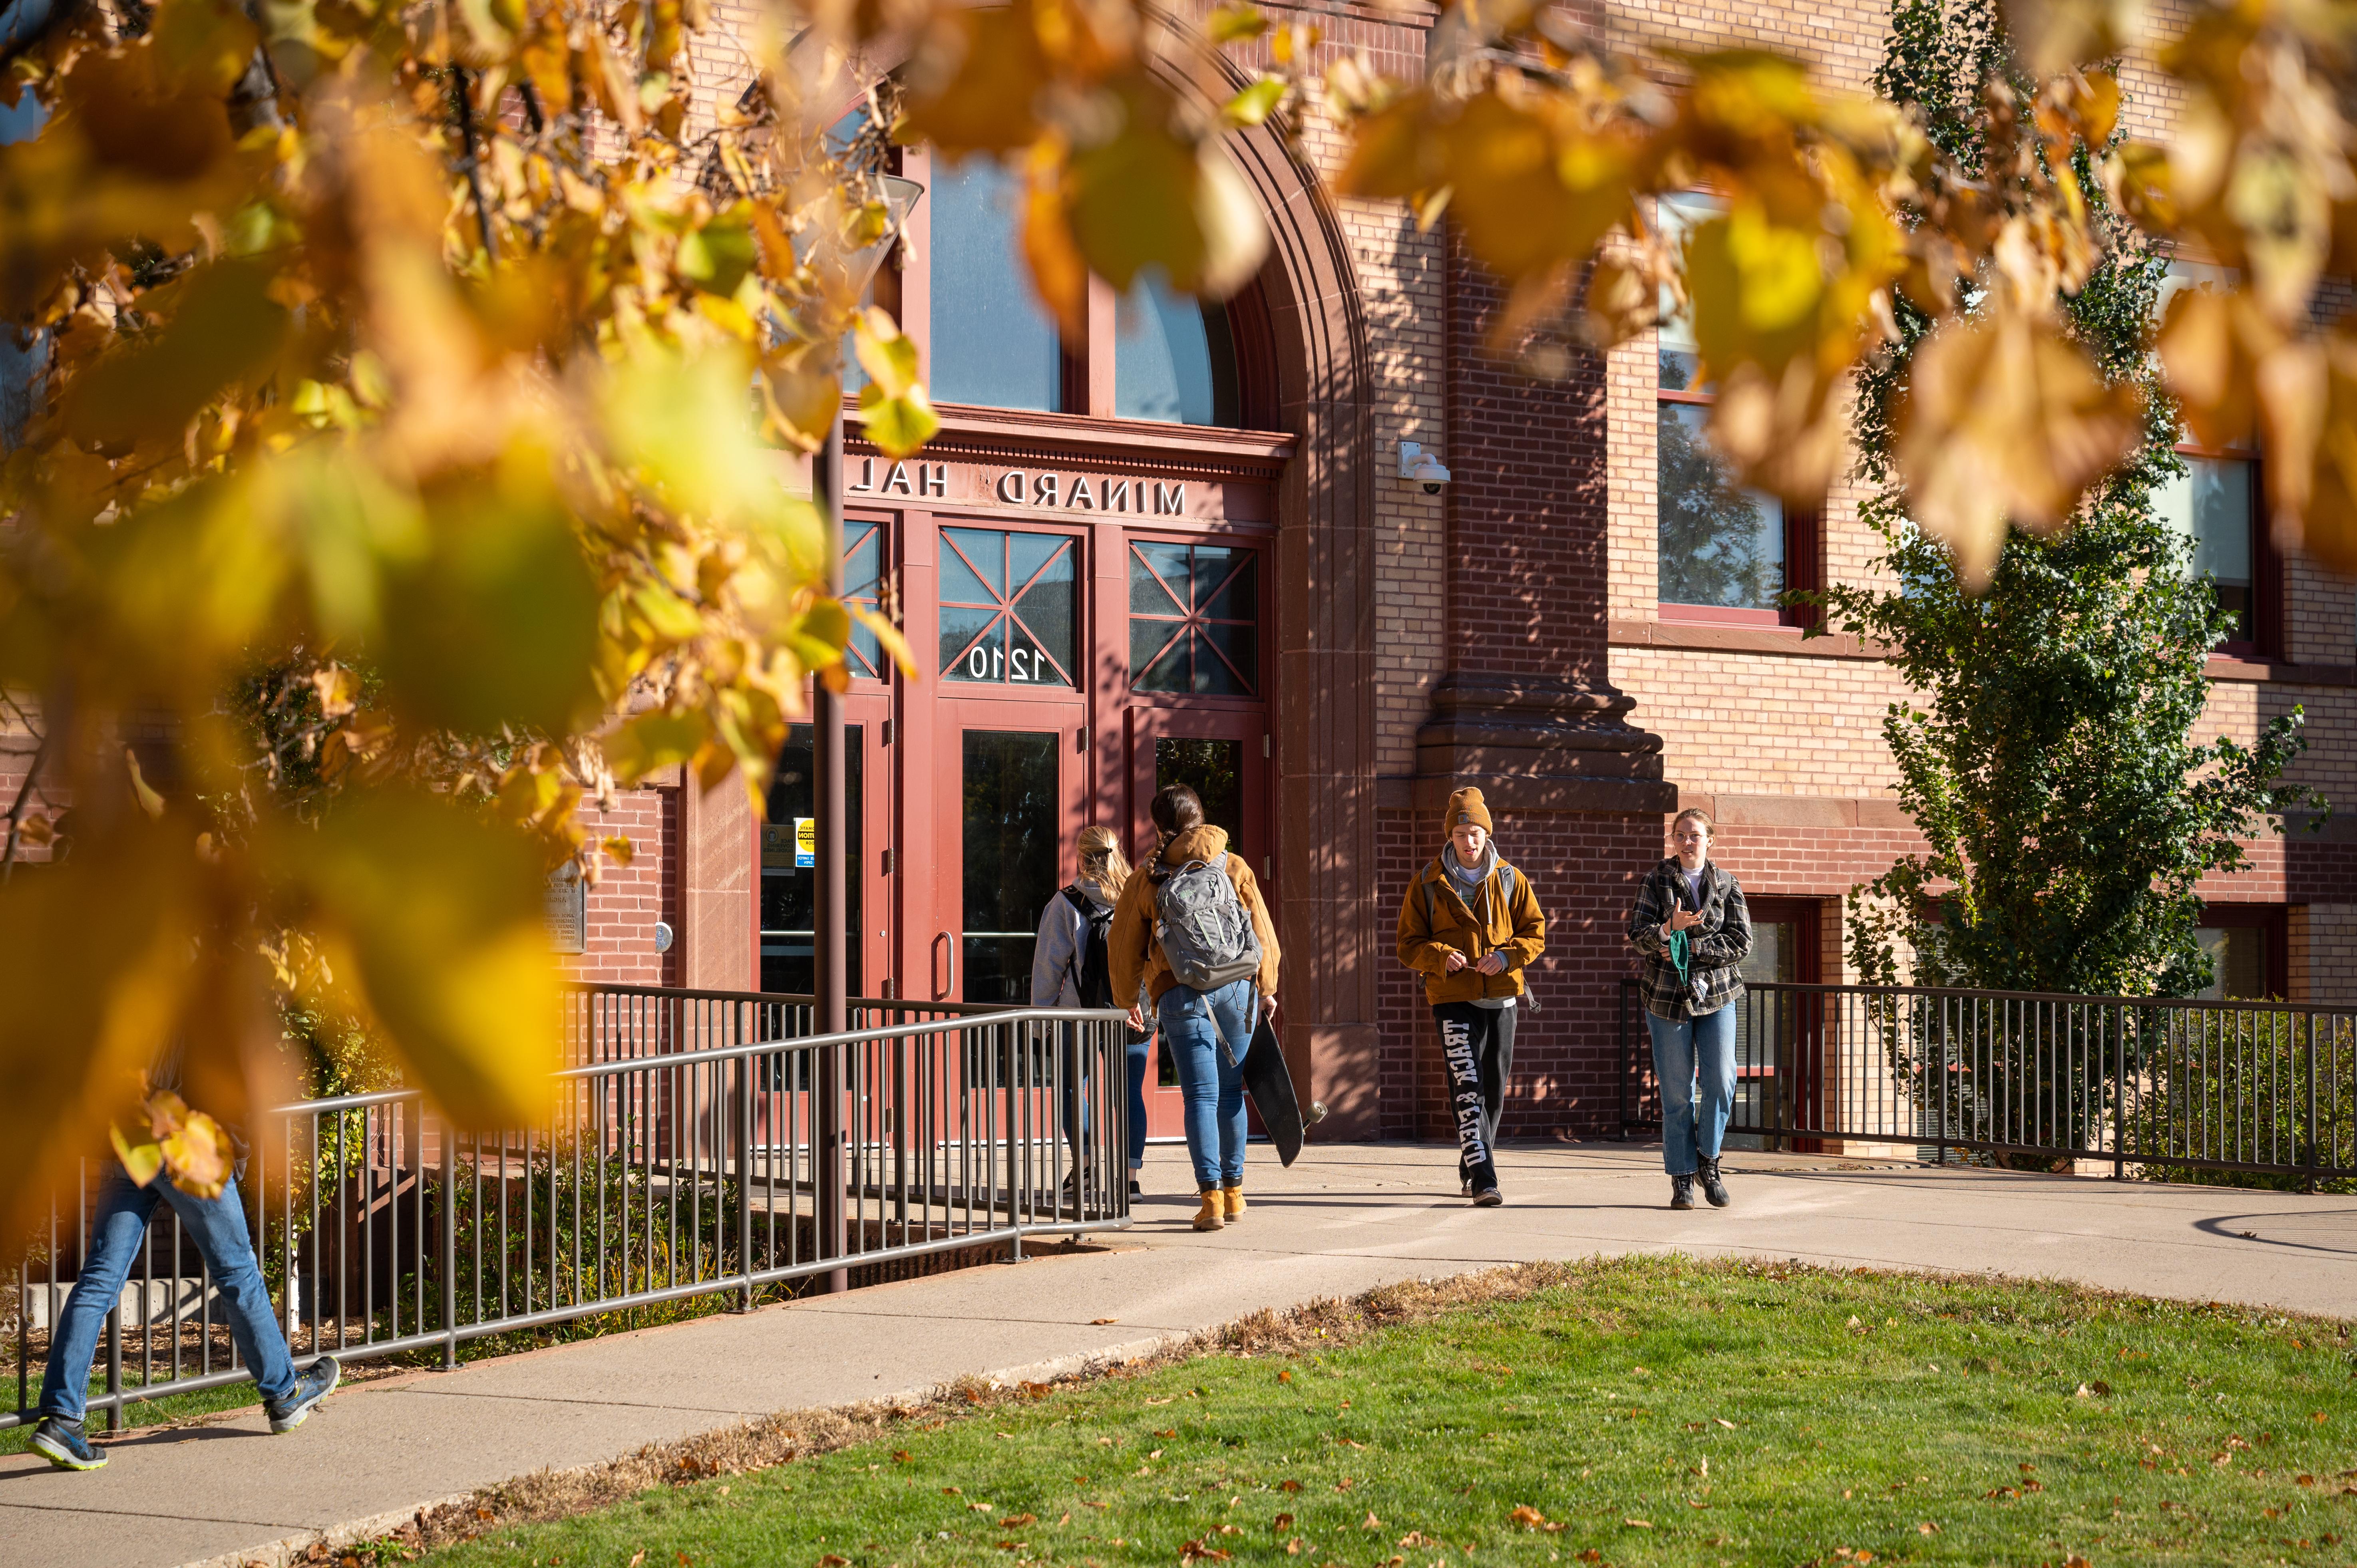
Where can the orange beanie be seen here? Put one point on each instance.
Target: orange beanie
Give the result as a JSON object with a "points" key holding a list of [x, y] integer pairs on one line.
{"points": [[1465, 806]]}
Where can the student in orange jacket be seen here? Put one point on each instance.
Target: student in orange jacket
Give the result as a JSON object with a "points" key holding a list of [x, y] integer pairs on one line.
{"points": [[1470, 925], [1206, 1033]]}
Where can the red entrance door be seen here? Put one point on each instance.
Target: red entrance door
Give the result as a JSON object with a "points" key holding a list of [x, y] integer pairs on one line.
{"points": [[1221, 755]]}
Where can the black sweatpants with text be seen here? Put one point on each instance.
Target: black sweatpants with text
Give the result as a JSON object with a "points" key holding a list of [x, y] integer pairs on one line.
{"points": [[1477, 1045]]}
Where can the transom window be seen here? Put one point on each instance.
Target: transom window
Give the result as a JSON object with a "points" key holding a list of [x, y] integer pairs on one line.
{"points": [[1194, 618], [1008, 607]]}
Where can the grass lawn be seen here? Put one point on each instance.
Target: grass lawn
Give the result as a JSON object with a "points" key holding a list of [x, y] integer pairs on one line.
{"points": [[1641, 1410]]}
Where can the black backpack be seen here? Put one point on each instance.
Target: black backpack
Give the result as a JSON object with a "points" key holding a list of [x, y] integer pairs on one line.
{"points": [[1095, 978]]}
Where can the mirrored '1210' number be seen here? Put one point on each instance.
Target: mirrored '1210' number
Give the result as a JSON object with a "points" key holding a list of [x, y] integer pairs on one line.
{"points": [[997, 664]]}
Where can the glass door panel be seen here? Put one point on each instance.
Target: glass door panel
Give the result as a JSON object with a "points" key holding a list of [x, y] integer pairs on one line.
{"points": [[1012, 839], [789, 882]]}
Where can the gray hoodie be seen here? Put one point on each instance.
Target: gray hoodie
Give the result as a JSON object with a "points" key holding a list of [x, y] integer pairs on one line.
{"points": [[1056, 960]]}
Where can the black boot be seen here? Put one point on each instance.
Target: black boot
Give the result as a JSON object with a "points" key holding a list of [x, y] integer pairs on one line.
{"points": [[1681, 1192], [1712, 1187]]}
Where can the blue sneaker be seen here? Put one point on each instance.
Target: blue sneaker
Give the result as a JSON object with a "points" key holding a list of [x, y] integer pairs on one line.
{"points": [[61, 1442], [312, 1384]]}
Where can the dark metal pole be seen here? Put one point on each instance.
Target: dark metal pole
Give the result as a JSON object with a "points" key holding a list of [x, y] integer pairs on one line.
{"points": [[831, 980]]}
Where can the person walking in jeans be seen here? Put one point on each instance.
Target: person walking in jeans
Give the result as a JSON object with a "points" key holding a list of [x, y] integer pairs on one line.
{"points": [[1206, 1033], [1470, 925], [1071, 968], [1691, 926], [218, 1226]]}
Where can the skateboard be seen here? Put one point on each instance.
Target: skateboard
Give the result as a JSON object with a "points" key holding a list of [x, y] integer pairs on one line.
{"points": [[1270, 1083]]}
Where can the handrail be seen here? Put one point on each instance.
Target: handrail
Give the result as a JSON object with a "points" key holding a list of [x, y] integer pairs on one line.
{"points": [[2171, 1086], [692, 1156]]}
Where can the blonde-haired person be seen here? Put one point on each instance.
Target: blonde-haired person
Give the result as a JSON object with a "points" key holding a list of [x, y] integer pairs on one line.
{"points": [[1691, 926], [1070, 969]]}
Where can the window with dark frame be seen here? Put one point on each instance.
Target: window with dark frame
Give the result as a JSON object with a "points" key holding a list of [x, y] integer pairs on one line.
{"points": [[1194, 618], [2218, 507], [2248, 946], [1724, 552]]}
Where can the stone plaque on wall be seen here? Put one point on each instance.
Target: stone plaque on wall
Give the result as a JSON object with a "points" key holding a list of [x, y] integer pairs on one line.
{"points": [[567, 909]]}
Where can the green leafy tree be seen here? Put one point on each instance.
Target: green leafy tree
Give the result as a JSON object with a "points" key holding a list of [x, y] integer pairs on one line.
{"points": [[2049, 756]]}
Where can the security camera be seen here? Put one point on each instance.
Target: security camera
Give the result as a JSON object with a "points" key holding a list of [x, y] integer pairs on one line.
{"points": [[1419, 467]]}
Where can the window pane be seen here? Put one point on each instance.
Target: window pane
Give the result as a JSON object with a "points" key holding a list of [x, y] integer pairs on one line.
{"points": [[1223, 586], [1228, 672], [1678, 216], [1029, 641], [1158, 579], [861, 570], [1214, 769], [1149, 638], [971, 550], [2210, 506], [788, 891], [1720, 545], [2238, 962], [1168, 362], [991, 343], [963, 658], [1010, 858]]}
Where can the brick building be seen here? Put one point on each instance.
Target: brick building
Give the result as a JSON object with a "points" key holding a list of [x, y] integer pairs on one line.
{"points": [[1182, 549]]}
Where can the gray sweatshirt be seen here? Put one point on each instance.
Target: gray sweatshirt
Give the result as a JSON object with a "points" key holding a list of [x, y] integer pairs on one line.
{"points": [[1056, 960]]}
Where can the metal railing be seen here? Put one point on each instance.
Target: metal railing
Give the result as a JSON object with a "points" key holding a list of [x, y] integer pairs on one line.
{"points": [[2266, 1088], [703, 1144]]}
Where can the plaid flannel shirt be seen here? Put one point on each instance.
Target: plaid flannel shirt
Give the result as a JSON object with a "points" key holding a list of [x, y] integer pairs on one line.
{"points": [[1714, 949]]}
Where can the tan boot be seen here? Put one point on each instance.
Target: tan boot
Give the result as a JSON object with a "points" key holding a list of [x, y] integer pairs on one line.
{"points": [[1209, 1219], [1232, 1198]]}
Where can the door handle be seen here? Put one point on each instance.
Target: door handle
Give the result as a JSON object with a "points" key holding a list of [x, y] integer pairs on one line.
{"points": [[942, 990]]}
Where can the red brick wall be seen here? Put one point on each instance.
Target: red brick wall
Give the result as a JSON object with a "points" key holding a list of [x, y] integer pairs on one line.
{"points": [[1584, 868], [629, 900], [1527, 579]]}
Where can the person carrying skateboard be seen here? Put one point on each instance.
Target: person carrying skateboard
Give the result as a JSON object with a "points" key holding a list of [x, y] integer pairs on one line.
{"points": [[1194, 927], [1471, 924]]}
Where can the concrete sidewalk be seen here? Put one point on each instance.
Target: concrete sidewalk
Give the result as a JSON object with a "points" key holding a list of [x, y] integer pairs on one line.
{"points": [[1345, 1218]]}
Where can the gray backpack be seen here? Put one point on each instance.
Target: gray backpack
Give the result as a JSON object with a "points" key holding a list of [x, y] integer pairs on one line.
{"points": [[1204, 928]]}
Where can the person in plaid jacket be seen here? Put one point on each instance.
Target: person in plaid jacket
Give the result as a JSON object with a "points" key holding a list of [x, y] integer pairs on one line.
{"points": [[1691, 926]]}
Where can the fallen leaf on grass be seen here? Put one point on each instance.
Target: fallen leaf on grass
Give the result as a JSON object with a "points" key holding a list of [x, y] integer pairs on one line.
{"points": [[1638, 1523], [1725, 1423], [1280, 1524], [1371, 1521], [951, 1491], [829, 1561], [1926, 1528], [1196, 1549], [1172, 1400], [1293, 1547], [1289, 1486], [638, 1557], [1530, 1518], [1017, 1521], [1344, 1485]]}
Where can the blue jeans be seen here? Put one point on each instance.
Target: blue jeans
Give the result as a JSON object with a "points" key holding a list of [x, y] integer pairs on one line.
{"points": [[1141, 1055], [218, 1227], [1687, 1051], [1209, 1078]]}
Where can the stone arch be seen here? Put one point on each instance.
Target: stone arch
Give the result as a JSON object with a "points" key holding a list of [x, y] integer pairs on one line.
{"points": [[1313, 325]]}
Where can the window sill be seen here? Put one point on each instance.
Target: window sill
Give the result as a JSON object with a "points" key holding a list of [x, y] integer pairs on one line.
{"points": [[2258, 668], [1722, 637], [1719, 615]]}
